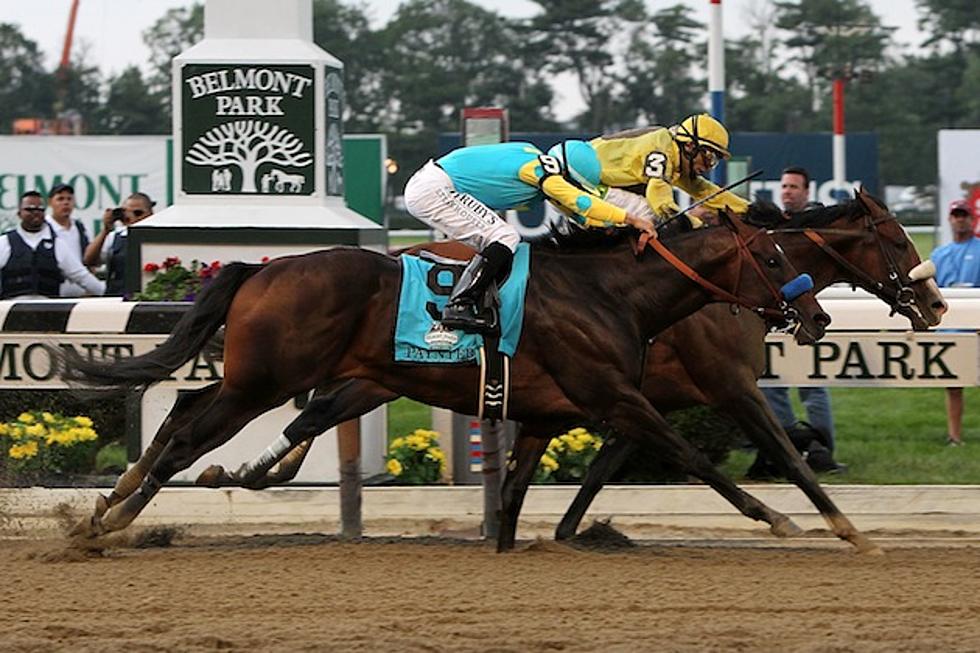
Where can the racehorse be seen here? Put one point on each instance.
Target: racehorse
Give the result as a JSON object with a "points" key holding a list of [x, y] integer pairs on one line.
{"points": [[324, 320], [694, 362]]}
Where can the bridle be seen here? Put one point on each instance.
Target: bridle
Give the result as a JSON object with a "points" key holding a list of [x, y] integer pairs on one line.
{"points": [[784, 313], [898, 294]]}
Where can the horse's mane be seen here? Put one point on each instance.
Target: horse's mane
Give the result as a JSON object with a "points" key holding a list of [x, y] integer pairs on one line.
{"points": [[590, 239], [764, 213]]}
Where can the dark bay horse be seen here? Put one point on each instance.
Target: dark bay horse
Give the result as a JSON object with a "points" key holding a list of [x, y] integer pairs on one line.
{"points": [[695, 362], [324, 320]]}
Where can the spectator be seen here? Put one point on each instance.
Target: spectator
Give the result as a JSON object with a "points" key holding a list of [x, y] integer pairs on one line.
{"points": [[34, 261], [68, 229], [795, 194], [109, 246], [958, 264]]}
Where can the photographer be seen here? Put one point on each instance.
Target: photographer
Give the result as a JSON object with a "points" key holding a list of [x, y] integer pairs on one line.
{"points": [[109, 246]]}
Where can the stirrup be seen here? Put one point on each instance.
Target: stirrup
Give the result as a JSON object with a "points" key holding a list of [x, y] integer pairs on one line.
{"points": [[465, 317]]}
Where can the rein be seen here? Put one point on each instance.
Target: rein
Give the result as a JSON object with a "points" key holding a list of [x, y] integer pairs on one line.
{"points": [[900, 297], [784, 312]]}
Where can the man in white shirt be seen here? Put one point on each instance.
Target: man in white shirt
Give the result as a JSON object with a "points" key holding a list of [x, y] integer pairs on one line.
{"points": [[72, 231], [34, 261]]}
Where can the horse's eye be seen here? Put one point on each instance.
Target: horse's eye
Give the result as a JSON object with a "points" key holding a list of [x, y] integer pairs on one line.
{"points": [[772, 262]]}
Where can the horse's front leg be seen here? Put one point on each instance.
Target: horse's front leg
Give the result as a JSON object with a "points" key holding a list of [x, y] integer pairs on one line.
{"points": [[634, 415], [756, 419], [531, 442]]}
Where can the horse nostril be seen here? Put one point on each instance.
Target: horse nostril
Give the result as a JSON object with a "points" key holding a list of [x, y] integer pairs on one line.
{"points": [[940, 307], [822, 320]]}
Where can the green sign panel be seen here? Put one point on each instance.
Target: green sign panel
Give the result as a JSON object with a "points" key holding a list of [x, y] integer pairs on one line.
{"points": [[247, 128]]}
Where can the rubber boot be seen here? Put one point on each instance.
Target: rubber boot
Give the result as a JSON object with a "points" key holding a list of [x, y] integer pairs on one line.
{"points": [[467, 308]]}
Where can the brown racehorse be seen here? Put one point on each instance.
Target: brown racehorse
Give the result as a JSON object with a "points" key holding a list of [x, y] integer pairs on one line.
{"points": [[325, 320], [694, 362]]}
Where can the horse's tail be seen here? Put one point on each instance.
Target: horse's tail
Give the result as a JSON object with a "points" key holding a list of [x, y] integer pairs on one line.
{"points": [[189, 336]]}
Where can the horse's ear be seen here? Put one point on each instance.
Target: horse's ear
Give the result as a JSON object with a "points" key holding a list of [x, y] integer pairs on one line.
{"points": [[866, 200], [725, 217]]}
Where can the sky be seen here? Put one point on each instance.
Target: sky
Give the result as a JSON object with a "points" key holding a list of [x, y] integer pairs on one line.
{"points": [[111, 30]]}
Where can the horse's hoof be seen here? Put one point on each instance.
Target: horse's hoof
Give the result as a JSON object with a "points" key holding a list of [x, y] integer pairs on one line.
{"points": [[101, 505], [87, 528], [212, 476], [868, 548], [785, 527]]}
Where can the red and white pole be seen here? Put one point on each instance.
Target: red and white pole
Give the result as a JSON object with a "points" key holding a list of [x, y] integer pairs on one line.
{"points": [[840, 171]]}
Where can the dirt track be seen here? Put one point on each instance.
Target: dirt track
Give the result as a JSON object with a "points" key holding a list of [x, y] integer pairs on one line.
{"points": [[315, 593]]}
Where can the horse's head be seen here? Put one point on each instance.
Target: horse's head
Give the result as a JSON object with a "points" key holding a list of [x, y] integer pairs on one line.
{"points": [[783, 296], [861, 243]]}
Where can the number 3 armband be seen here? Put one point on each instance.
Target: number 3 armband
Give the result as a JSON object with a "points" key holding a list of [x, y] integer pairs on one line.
{"points": [[654, 165]]}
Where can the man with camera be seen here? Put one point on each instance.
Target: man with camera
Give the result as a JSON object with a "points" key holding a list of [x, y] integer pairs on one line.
{"points": [[109, 246]]}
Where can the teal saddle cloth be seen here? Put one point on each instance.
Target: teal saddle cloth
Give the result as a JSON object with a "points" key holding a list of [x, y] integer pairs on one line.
{"points": [[425, 286]]}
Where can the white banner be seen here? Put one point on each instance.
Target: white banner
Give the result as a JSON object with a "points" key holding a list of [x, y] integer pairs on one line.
{"points": [[104, 170], [959, 173]]}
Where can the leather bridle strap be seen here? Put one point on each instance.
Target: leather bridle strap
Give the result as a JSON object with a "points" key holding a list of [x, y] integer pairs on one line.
{"points": [[718, 292]]}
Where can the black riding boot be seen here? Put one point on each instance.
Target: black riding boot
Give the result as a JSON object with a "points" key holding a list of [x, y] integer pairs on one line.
{"points": [[468, 309]]}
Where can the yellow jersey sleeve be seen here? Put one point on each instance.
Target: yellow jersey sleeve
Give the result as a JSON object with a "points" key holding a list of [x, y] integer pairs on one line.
{"points": [[597, 213], [660, 197]]}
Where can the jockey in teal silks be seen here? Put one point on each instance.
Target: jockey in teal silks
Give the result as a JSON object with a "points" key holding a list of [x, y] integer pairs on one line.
{"points": [[460, 193]]}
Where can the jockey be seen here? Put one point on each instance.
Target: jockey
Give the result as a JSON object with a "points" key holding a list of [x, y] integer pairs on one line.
{"points": [[460, 193], [660, 158]]}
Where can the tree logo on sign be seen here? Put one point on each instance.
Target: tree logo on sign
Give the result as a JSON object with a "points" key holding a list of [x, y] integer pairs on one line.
{"points": [[247, 144]]}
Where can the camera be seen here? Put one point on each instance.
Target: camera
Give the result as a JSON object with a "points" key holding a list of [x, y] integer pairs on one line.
{"points": [[118, 214]]}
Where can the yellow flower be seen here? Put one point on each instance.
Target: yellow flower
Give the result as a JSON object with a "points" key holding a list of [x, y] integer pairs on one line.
{"points": [[47, 417], [397, 443], [394, 467], [35, 430], [26, 450], [81, 420], [26, 418], [576, 445], [549, 463], [556, 444], [4, 429], [578, 431], [416, 442]]}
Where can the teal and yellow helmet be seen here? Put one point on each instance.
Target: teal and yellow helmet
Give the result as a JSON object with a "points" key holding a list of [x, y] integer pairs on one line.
{"points": [[579, 163]]}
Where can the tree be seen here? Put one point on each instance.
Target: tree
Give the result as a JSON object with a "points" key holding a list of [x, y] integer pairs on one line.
{"points": [[176, 31], [952, 21], [658, 79], [130, 107], [832, 38], [247, 144], [344, 31], [26, 88], [574, 36]]}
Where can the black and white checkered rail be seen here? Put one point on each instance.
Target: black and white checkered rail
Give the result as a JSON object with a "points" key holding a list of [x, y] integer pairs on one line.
{"points": [[90, 315]]}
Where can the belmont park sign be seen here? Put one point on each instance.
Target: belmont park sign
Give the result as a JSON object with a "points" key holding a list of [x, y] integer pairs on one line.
{"points": [[248, 129]]}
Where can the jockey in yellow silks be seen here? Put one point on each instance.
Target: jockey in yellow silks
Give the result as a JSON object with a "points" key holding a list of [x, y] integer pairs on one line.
{"points": [[661, 158]]}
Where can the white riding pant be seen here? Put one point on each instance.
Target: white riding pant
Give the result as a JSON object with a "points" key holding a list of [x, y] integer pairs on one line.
{"points": [[634, 204], [431, 197]]}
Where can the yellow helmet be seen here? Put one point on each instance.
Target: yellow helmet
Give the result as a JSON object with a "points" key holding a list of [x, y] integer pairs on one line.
{"points": [[704, 131]]}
